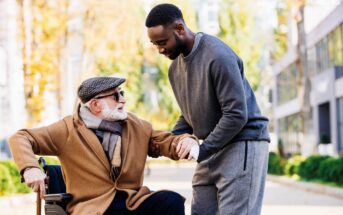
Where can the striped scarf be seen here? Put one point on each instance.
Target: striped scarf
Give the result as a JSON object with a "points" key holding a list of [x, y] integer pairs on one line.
{"points": [[111, 137]]}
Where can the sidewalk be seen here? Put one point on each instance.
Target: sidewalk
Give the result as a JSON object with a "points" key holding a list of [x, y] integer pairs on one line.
{"points": [[21, 204], [307, 186]]}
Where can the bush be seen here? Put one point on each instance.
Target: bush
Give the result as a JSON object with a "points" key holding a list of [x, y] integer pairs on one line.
{"points": [[331, 170], [308, 169], [10, 178], [293, 164], [276, 164], [19, 187], [6, 184], [52, 160]]}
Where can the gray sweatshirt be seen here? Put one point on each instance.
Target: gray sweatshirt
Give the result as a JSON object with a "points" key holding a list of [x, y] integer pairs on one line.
{"points": [[216, 101]]}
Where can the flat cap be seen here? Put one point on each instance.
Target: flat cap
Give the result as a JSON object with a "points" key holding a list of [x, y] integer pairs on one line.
{"points": [[94, 86]]}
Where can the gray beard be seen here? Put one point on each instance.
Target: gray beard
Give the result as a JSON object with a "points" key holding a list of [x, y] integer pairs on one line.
{"points": [[113, 114]]}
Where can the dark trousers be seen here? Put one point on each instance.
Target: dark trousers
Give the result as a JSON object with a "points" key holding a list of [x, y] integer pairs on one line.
{"points": [[160, 203]]}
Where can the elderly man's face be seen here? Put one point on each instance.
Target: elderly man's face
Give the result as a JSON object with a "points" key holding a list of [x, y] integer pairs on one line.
{"points": [[112, 104]]}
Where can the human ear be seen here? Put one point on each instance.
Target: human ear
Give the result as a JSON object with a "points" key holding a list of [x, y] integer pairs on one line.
{"points": [[95, 106], [179, 28]]}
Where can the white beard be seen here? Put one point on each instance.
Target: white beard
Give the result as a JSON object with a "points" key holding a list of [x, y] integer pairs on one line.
{"points": [[112, 114]]}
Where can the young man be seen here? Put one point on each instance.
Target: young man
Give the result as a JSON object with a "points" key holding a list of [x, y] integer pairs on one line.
{"points": [[219, 107], [102, 150]]}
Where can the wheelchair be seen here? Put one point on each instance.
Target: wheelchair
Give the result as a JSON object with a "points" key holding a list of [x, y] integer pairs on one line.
{"points": [[56, 198]]}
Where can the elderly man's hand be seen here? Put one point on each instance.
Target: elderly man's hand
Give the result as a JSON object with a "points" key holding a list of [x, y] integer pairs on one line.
{"points": [[34, 178], [154, 149], [187, 145]]}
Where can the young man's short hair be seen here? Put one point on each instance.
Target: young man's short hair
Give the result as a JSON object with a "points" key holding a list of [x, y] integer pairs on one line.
{"points": [[163, 14]]}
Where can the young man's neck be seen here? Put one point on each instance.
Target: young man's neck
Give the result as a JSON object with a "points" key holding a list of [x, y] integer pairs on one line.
{"points": [[189, 42]]}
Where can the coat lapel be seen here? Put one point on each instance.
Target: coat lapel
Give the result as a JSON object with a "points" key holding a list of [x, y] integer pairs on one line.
{"points": [[125, 143], [93, 142]]}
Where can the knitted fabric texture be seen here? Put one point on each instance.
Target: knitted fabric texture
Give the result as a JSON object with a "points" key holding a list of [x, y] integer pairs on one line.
{"points": [[94, 86], [111, 142]]}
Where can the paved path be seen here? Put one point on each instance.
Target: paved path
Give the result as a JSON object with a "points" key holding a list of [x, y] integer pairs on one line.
{"points": [[279, 199]]}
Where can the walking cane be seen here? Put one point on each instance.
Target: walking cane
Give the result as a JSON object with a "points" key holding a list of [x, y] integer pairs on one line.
{"points": [[39, 202]]}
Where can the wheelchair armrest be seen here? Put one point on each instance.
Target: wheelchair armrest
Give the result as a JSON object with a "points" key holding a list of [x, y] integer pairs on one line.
{"points": [[58, 197]]}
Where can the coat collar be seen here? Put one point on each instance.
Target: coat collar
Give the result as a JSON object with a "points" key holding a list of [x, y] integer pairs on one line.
{"points": [[94, 143]]}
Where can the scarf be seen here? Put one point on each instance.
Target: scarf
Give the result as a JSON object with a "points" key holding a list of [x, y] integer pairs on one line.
{"points": [[111, 137]]}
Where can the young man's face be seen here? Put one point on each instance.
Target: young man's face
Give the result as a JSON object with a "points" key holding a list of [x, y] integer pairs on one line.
{"points": [[167, 41]]}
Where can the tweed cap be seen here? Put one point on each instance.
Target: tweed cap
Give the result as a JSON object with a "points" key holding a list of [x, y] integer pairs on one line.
{"points": [[94, 86]]}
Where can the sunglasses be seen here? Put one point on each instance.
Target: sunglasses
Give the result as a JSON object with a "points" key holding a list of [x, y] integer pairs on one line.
{"points": [[115, 95]]}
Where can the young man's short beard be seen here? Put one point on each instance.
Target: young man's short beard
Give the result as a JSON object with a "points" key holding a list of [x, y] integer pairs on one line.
{"points": [[112, 114], [178, 47]]}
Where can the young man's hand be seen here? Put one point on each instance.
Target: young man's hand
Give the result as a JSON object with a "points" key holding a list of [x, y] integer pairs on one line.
{"points": [[34, 178], [188, 146]]}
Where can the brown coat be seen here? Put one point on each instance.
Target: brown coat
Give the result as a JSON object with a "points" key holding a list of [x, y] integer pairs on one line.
{"points": [[85, 168]]}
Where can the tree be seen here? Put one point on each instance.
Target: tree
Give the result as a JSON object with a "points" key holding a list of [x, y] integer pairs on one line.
{"points": [[112, 36], [304, 84], [280, 32], [43, 27], [237, 21]]}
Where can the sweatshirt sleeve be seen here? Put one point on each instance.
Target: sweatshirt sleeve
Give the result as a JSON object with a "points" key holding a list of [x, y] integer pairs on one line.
{"points": [[227, 80], [48, 140], [182, 127]]}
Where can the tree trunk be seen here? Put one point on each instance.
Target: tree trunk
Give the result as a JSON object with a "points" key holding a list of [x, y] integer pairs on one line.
{"points": [[304, 84], [26, 27]]}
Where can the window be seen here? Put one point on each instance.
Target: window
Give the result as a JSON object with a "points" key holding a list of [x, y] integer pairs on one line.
{"points": [[331, 49], [340, 124], [339, 46], [290, 133], [287, 84], [328, 51]]}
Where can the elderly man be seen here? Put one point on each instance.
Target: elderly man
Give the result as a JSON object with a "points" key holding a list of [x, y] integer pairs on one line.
{"points": [[102, 150]]}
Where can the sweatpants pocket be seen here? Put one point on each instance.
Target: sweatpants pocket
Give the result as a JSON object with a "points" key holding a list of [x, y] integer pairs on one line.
{"points": [[245, 155], [230, 161]]}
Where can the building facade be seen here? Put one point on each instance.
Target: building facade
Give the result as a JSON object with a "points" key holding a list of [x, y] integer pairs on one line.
{"points": [[325, 66]]}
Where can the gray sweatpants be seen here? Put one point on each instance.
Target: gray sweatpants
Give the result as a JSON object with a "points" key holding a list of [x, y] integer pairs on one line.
{"points": [[232, 180]]}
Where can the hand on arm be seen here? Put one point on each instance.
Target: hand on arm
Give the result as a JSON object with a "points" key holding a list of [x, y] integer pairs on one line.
{"points": [[34, 178], [188, 146]]}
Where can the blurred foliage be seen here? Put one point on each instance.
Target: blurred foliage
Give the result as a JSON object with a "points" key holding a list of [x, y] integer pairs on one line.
{"points": [[280, 31], [237, 23], [308, 169], [43, 30], [331, 169], [10, 180], [112, 35], [52, 160], [293, 164], [276, 164], [316, 168], [6, 184], [115, 42]]}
